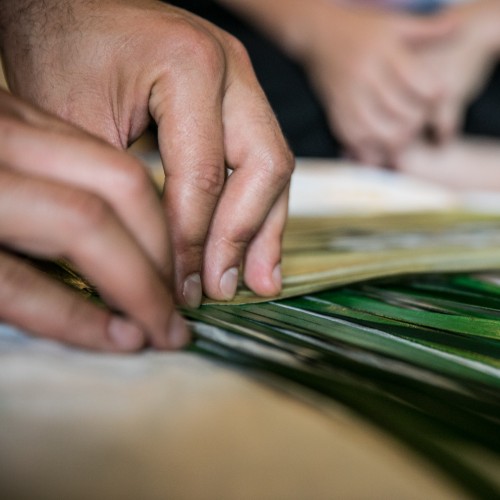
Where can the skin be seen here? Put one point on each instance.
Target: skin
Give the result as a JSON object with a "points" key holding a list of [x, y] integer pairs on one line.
{"points": [[463, 63], [376, 91], [374, 72], [450, 165], [111, 66], [66, 194]]}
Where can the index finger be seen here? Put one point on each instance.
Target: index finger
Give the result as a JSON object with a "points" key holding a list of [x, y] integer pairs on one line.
{"points": [[63, 153], [253, 194], [187, 106]]}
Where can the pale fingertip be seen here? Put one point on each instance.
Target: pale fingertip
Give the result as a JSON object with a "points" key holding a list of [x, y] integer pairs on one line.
{"points": [[178, 334], [229, 283], [192, 291], [125, 335]]}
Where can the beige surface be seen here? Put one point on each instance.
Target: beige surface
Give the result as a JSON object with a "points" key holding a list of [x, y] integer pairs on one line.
{"points": [[80, 425]]}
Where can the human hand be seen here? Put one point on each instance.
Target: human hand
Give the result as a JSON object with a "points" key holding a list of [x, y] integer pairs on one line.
{"points": [[463, 62], [110, 66], [376, 93], [66, 194]]}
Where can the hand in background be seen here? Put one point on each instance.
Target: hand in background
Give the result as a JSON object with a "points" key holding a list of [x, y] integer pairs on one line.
{"points": [[463, 62], [377, 93], [66, 194], [110, 66]]}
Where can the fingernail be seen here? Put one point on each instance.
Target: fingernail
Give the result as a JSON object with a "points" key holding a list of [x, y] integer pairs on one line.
{"points": [[229, 283], [125, 335], [277, 276], [178, 335], [191, 291]]}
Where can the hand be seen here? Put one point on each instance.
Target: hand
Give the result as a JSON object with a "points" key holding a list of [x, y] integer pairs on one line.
{"points": [[109, 66], [463, 62], [66, 194], [375, 90], [450, 164]]}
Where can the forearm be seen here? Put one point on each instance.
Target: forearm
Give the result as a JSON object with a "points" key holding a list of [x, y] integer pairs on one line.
{"points": [[287, 22]]}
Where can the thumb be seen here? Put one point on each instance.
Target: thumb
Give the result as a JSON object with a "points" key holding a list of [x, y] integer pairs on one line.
{"points": [[421, 30]]}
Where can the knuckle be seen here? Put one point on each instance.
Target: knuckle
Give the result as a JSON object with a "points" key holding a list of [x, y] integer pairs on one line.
{"points": [[242, 235], [236, 49], [131, 181], [208, 54], [283, 166], [88, 213], [288, 160], [208, 179], [199, 48], [277, 165], [237, 239], [190, 250]]}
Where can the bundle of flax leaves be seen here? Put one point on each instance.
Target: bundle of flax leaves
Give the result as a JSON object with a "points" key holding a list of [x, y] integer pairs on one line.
{"points": [[413, 349]]}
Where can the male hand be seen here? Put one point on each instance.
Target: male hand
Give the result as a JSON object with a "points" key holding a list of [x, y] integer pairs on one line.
{"points": [[109, 66], [66, 194]]}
